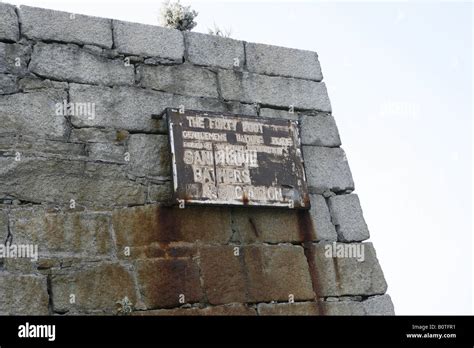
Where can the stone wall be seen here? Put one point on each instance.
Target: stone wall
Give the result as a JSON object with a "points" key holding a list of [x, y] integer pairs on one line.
{"points": [[88, 188]]}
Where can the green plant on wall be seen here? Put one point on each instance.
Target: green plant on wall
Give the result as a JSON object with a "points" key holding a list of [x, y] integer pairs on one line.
{"points": [[176, 16], [124, 306]]}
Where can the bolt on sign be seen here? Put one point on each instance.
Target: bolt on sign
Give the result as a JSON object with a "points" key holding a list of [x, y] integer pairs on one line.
{"points": [[222, 159]]}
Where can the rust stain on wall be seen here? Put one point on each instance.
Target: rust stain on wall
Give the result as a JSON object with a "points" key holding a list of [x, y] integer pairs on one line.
{"points": [[254, 227], [307, 231]]}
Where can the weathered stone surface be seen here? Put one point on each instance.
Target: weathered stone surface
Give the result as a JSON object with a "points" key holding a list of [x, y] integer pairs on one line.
{"points": [[8, 84], [23, 294], [273, 90], [95, 135], [283, 114], [100, 51], [106, 152], [211, 104], [282, 61], [208, 104], [160, 192], [347, 216], [19, 265], [48, 180], [95, 287], [163, 281], [234, 309], [296, 308], [320, 130], [258, 273], [3, 224], [9, 27], [339, 276], [376, 305], [14, 58], [379, 305], [181, 79], [327, 169], [48, 25], [230, 309], [33, 113], [148, 40], [241, 109], [267, 225], [30, 83], [29, 145], [124, 108], [140, 227], [343, 308], [224, 274], [150, 155], [213, 50], [71, 63], [84, 233], [130, 108], [321, 219], [275, 272]]}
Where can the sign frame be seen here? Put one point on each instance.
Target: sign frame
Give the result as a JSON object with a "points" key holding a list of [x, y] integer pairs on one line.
{"points": [[294, 194]]}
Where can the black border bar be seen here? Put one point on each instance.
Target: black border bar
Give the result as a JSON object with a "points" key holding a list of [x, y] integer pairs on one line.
{"points": [[139, 331]]}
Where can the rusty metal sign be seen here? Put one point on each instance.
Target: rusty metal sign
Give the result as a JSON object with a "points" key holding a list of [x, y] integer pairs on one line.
{"points": [[222, 159]]}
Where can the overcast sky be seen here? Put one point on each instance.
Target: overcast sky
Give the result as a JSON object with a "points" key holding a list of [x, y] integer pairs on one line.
{"points": [[399, 77]]}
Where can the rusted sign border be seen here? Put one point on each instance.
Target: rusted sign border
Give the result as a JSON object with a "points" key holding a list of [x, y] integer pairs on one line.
{"points": [[166, 117]]}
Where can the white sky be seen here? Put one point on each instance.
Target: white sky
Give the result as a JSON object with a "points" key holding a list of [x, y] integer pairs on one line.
{"points": [[399, 77]]}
